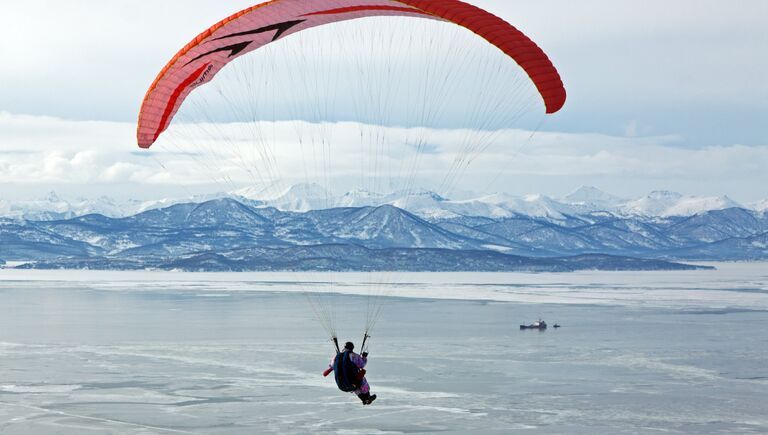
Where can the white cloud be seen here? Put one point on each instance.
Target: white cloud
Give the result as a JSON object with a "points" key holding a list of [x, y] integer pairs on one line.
{"points": [[55, 152]]}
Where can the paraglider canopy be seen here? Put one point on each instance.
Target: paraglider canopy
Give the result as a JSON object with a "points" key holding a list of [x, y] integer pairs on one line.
{"points": [[200, 60], [415, 92]]}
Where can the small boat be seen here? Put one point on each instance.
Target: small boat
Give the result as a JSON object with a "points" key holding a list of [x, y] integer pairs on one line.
{"points": [[539, 324], [556, 326]]}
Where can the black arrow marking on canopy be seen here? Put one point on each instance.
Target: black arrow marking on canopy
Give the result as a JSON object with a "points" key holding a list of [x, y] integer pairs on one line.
{"points": [[280, 27], [236, 49]]}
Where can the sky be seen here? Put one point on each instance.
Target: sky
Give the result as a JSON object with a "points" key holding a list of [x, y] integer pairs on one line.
{"points": [[661, 96]]}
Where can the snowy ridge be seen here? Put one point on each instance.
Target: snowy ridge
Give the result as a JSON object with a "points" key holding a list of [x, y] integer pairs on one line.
{"points": [[665, 204], [53, 207], [431, 205], [426, 204], [587, 195], [299, 197]]}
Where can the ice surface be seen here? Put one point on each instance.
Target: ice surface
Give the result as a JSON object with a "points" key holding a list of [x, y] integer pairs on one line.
{"points": [[157, 352], [734, 285]]}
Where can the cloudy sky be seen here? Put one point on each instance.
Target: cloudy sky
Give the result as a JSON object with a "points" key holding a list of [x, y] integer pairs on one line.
{"points": [[662, 95]]}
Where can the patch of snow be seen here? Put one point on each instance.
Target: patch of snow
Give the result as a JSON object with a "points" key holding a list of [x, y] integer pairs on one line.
{"points": [[9, 264], [497, 248], [761, 206]]}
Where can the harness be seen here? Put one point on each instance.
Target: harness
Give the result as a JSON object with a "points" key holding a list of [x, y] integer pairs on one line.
{"points": [[348, 375]]}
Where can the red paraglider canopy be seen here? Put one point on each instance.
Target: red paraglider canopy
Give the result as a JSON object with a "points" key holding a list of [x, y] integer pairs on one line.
{"points": [[200, 60]]}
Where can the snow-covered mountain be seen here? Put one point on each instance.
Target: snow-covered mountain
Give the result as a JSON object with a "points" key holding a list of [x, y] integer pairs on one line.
{"points": [[430, 205], [53, 207], [665, 204], [225, 234], [299, 197], [655, 204], [423, 203], [583, 201], [591, 199], [360, 198]]}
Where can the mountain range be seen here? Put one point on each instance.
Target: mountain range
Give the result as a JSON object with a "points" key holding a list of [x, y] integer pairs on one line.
{"points": [[415, 231], [423, 203]]}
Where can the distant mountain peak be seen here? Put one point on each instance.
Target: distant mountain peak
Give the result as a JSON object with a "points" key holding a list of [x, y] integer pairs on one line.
{"points": [[591, 194], [300, 197], [429, 194], [664, 195], [276, 192], [362, 193], [52, 196], [311, 188]]}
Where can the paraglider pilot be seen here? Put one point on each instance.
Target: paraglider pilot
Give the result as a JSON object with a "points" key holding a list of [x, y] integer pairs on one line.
{"points": [[349, 369]]}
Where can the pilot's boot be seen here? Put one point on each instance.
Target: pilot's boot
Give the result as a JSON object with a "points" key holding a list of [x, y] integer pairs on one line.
{"points": [[365, 397], [370, 399]]}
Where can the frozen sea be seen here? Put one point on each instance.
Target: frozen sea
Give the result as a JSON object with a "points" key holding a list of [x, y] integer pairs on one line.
{"points": [[85, 352]]}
